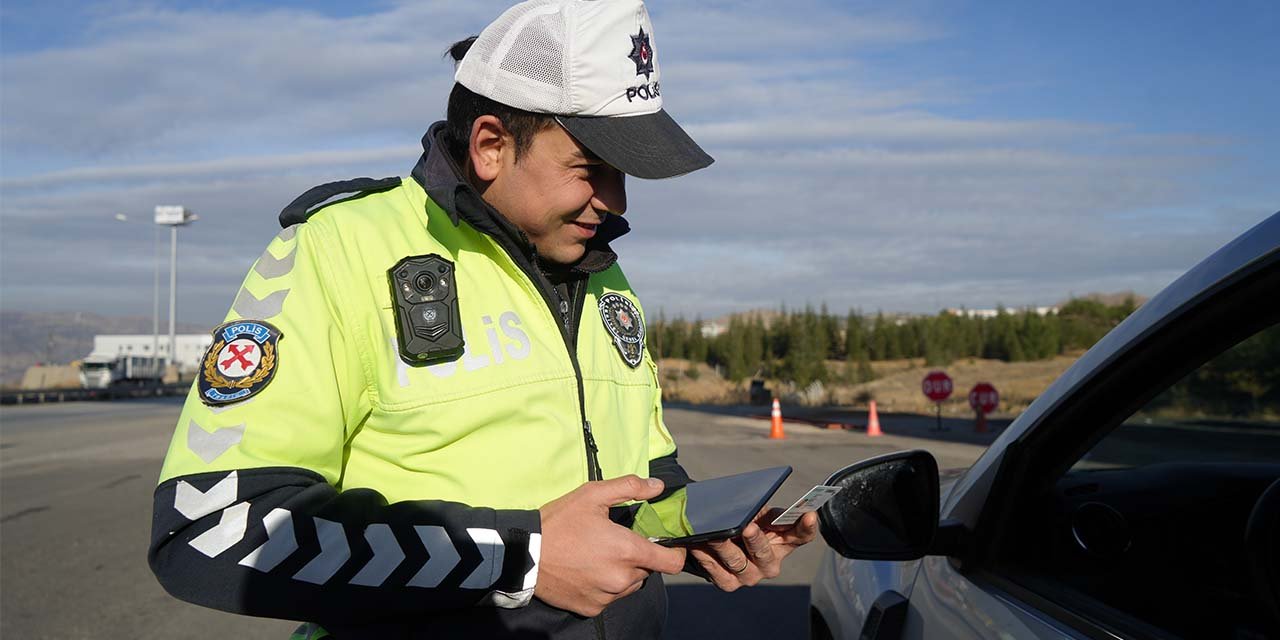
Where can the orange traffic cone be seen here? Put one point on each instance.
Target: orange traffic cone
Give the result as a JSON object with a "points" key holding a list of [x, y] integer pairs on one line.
{"points": [[873, 422], [775, 422]]}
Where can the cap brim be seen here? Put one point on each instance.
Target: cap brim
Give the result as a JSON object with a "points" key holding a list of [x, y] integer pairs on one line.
{"points": [[645, 146]]}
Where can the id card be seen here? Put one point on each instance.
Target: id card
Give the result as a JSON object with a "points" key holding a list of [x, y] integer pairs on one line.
{"points": [[810, 501]]}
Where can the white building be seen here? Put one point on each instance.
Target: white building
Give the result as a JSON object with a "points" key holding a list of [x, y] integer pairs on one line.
{"points": [[711, 329], [991, 313], [191, 348]]}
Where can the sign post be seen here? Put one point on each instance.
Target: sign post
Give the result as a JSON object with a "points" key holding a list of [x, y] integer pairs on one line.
{"points": [[937, 387], [984, 399]]}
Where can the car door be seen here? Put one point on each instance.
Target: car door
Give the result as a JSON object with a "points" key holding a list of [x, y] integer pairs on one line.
{"points": [[1118, 504]]}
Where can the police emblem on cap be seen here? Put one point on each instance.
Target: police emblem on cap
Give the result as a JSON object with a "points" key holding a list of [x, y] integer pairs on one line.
{"points": [[622, 320], [642, 54], [241, 362]]}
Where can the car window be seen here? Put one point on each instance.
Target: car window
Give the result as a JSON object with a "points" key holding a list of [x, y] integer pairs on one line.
{"points": [[1227, 410], [1146, 533]]}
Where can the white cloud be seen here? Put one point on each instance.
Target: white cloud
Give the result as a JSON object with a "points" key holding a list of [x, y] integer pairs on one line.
{"points": [[830, 183]]}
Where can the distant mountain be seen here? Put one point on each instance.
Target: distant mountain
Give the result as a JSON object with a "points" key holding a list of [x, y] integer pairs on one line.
{"points": [[59, 337]]}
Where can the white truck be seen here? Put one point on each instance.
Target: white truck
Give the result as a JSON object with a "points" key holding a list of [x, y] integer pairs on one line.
{"points": [[99, 371], [140, 359]]}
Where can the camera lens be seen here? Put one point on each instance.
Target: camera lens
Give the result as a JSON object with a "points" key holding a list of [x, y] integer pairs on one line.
{"points": [[424, 283]]}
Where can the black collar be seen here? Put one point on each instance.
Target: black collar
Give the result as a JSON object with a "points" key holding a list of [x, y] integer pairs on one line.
{"points": [[441, 178]]}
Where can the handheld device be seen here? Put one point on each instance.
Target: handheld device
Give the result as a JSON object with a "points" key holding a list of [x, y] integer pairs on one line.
{"points": [[708, 510]]}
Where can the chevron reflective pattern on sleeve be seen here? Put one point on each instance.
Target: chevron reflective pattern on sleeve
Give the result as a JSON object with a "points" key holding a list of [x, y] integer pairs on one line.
{"points": [[209, 446], [535, 552], [229, 530], [442, 556], [268, 266], [517, 599], [387, 555], [334, 552], [248, 305], [483, 548], [194, 504], [280, 543], [491, 548]]}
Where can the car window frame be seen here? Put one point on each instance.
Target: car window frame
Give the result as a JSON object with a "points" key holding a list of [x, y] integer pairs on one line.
{"points": [[1038, 458]]}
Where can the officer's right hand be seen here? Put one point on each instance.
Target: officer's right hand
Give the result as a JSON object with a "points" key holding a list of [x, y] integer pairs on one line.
{"points": [[587, 560]]}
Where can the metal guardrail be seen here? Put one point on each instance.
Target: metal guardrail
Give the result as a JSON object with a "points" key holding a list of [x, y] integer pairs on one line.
{"points": [[40, 396]]}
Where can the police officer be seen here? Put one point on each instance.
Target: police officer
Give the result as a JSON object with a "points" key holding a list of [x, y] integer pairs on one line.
{"points": [[431, 394]]}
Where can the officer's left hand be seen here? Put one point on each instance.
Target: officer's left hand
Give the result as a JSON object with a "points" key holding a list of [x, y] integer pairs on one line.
{"points": [[757, 554]]}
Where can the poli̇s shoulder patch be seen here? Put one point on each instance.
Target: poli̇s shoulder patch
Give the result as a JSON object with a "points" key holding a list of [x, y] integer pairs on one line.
{"points": [[241, 362], [622, 320]]}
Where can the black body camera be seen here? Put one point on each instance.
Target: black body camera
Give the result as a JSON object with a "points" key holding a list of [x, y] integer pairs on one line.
{"points": [[428, 324]]}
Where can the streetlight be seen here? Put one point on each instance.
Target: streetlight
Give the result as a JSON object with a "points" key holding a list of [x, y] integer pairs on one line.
{"points": [[173, 216], [155, 296]]}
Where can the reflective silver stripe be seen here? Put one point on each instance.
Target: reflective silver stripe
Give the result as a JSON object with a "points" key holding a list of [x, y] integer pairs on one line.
{"points": [[334, 552], [210, 446], [268, 266], [230, 530], [194, 504], [489, 544], [250, 306], [280, 544], [442, 556], [387, 555]]}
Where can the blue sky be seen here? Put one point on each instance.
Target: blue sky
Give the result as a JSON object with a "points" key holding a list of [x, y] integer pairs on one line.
{"points": [[897, 156]]}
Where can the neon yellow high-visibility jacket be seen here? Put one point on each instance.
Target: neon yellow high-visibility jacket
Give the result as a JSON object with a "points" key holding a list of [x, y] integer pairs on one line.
{"points": [[315, 474]]}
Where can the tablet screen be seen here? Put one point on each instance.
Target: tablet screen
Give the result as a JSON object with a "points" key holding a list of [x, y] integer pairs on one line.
{"points": [[709, 506]]}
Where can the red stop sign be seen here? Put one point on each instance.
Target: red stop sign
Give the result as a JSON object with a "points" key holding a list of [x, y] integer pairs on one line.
{"points": [[984, 398], [937, 386]]}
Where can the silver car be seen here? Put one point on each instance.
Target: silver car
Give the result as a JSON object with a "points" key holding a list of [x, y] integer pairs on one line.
{"points": [[1138, 496]]}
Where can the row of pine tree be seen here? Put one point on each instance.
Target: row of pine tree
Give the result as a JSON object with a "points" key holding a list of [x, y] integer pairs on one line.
{"points": [[796, 345]]}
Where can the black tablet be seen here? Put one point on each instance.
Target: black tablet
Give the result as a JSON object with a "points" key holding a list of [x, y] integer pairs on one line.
{"points": [[707, 510]]}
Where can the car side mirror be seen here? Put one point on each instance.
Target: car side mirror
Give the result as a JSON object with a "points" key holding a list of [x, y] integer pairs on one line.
{"points": [[887, 508]]}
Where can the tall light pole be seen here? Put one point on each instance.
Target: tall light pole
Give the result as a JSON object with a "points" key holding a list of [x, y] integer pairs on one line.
{"points": [[173, 216], [155, 295]]}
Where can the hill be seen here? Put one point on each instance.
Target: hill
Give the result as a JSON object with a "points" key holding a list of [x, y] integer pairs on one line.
{"points": [[30, 338]]}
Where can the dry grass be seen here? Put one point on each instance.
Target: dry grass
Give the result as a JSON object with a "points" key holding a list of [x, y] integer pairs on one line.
{"points": [[897, 387]]}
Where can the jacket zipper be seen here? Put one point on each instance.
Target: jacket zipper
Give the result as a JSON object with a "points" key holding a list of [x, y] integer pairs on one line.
{"points": [[567, 313], [544, 285]]}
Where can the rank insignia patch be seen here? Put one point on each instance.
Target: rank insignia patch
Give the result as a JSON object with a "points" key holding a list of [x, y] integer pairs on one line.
{"points": [[241, 362], [622, 320]]}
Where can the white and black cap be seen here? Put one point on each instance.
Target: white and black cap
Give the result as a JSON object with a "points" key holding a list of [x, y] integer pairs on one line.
{"points": [[593, 64]]}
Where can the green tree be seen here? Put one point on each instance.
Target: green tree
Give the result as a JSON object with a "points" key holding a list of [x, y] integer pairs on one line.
{"points": [[695, 342], [857, 350]]}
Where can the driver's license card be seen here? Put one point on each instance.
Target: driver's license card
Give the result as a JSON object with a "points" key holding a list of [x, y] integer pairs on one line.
{"points": [[812, 500]]}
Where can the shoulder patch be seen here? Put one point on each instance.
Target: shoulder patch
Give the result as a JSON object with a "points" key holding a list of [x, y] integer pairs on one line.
{"points": [[305, 205], [622, 319], [241, 362]]}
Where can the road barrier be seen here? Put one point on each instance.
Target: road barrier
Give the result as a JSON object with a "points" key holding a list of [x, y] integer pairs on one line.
{"points": [[40, 396]]}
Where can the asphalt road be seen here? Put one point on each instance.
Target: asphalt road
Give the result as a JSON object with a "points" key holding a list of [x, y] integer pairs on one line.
{"points": [[75, 502]]}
